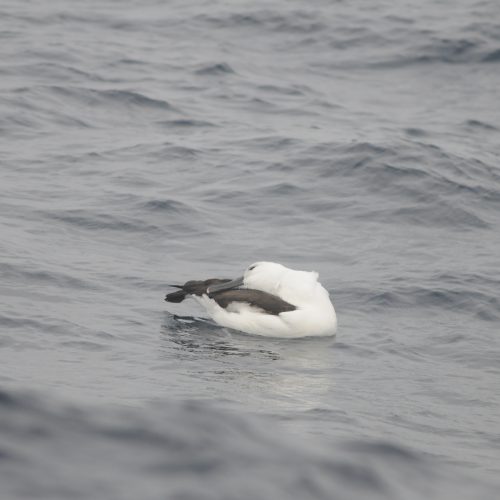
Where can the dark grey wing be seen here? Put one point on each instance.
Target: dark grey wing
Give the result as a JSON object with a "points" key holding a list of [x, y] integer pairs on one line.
{"points": [[192, 287], [269, 303], [176, 297]]}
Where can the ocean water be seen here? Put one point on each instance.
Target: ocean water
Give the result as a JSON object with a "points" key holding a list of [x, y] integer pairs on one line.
{"points": [[146, 143]]}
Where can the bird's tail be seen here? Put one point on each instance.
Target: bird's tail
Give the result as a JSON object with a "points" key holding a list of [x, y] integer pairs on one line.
{"points": [[177, 296]]}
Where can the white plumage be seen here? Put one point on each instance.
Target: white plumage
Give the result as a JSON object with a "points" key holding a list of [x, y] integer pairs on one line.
{"points": [[314, 314]]}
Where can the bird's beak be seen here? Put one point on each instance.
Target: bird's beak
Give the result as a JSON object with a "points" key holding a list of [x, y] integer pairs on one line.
{"points": [[226, 286]]}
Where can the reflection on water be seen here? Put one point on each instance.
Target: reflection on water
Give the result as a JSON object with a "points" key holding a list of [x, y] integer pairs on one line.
{"points": [[203, 337], [278, 375]]}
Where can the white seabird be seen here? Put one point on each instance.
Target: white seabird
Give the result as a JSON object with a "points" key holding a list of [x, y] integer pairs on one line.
{"points": [[269, 300]]}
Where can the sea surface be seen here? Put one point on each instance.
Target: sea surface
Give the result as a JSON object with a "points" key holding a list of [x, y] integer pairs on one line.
{"points": [[150, 142]]}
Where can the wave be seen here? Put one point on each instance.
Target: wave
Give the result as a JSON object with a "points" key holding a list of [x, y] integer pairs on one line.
{"points": [[185, 123], [492, 57], [41, 106], [54, 450], [297, 21], [480, 125], [215, 69], [89, 220], [463, 294], [20, 276], [411, 181], [168, 206], [386, 40]]}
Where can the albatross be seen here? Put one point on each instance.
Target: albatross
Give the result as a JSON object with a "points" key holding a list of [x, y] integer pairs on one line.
{"points": [[269, 300]]}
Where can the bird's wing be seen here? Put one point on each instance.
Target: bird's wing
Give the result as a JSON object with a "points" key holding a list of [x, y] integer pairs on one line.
{"points": [[192, 287], [270, 304]]}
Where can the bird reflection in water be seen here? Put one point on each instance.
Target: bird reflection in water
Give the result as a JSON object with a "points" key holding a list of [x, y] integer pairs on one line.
{"points": [[272, 373], [198, 335]]}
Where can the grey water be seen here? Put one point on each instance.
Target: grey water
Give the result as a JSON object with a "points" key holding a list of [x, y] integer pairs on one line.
{"points": [[146, 142]]}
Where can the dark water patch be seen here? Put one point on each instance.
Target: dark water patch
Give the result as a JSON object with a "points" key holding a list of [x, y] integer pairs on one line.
{"points": [[492, 57], [486, 313], [173, 124], [7, 399], [168, 206], [248, 101], [216, 69], [281, 167], [269, 21], [6, 455], [169, 150], [271, 143], [283, 189], [450, 50], [482, 126], [416, 132], [176, 444], [257, 104], [131, 61], [227, 197]]}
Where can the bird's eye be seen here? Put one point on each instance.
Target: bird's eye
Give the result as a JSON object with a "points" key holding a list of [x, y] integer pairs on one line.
{"points": [[252, 267]]}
